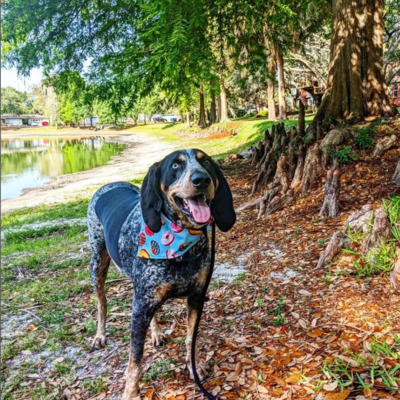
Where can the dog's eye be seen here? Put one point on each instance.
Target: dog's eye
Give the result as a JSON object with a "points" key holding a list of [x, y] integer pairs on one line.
{"points": [[207, 162], [175, 166]]}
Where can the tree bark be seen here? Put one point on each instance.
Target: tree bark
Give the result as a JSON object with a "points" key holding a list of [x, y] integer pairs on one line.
{"points": [[218, 108], [224, 104], [395, 273], [281, 84], [302, 119], [396, 176], [356, 85], [334, 246], [271, 88], [330, 207], [213, 108], [202, 117], [187, 119]]}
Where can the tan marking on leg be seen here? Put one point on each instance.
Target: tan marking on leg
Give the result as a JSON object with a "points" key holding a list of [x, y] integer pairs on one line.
{"points": [[132, 379], [161, 291], [191, 321], [157, 336], [100, 338], [202, 276]]}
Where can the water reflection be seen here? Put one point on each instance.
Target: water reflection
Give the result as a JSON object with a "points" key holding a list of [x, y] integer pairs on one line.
{"points": [[32, 163]]}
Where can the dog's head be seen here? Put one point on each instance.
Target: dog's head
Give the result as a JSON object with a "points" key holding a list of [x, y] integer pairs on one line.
{"points": [[188, 187]]}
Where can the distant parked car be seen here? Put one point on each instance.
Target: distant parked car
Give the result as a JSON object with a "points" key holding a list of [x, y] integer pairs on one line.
{"points": [[45, 123], [158, 118], [172, 118]]}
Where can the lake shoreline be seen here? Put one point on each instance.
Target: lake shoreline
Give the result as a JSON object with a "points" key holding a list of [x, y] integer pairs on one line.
{"points": [[141, 152]]}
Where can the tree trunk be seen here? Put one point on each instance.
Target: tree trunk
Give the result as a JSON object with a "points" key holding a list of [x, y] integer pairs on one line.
{"points": [[218, 108], [281, 85], [396, 176], [224, 105], [213, 108], [395, 274], [356, 85], [187, 119], [202, 117], [330, 207], [380, 231], [332, 250], [271, 68], [302, 119]]}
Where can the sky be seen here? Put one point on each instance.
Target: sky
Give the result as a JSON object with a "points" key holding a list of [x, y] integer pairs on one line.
{"points": [[9, 77]]}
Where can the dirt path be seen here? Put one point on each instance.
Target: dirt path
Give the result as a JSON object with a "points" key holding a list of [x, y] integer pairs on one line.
{"points": [[141, 152]]}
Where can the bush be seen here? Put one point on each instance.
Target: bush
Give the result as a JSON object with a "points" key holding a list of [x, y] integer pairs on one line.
{"points": [[263, 113], [343, 154], [365, 138]]}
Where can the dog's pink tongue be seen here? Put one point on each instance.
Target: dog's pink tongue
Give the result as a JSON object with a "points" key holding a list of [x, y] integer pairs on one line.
{"points": [[200, 210]]}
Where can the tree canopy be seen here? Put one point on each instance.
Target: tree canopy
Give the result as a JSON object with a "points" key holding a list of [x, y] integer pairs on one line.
{"points": [[191, 51]]}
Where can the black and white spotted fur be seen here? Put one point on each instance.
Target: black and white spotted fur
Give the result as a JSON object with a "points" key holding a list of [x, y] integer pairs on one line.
{"points": [[155, 281]]}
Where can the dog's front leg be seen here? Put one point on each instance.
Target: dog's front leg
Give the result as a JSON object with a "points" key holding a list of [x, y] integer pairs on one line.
{"points": [[141, 317], [192, 312]]}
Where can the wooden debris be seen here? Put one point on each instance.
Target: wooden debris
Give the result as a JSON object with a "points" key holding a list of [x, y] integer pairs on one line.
{"points": [[336, 244], [384, 144], [395, 273], [396, 176], [358, 220], [379, 233]]}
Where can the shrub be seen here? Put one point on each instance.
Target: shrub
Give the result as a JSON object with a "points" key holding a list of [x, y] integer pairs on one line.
{"points": [[365, 137], [343, 154], [263, 113]]}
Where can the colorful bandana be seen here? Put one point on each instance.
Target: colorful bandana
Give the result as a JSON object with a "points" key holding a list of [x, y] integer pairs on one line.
{"points": [[171, 242]]}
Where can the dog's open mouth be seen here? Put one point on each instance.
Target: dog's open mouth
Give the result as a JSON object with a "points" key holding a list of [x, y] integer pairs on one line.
{"points": [[196, 208]]}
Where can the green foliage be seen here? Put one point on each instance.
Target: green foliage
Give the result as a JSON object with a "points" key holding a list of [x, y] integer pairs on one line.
{"points": [[277, 312], [365, 137], [381, 257], [375, 372], [161, 368], [13, 101], [343, 155], [263, 113], [392, 208]]}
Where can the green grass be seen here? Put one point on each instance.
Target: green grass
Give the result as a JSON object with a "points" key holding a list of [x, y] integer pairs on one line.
{"points": [[161, 368], [379, 366], [75, 209], [248, 132], [380, 258]]}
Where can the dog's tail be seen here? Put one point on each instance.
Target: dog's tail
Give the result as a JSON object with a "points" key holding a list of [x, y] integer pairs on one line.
{"points": [[199, 312]]}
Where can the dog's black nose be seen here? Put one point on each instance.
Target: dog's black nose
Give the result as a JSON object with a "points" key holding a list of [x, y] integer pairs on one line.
{"points": [[200, 180]]}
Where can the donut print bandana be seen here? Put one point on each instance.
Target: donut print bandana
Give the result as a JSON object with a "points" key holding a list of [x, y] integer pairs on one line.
{"points": [[171, 242]]}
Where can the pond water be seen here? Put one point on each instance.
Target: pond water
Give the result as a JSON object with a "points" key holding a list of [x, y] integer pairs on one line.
{"points": [[30, 163]]}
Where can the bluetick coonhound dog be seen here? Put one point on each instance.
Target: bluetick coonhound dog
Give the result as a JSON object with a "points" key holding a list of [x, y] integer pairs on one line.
{"points": [[181, 196]]}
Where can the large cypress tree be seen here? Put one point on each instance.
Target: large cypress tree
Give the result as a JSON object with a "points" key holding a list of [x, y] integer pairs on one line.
{"points": [[356, 83]]}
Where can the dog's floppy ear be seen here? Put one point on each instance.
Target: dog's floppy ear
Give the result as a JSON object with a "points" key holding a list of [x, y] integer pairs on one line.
{"points": [[222, 205], [150, 198]]}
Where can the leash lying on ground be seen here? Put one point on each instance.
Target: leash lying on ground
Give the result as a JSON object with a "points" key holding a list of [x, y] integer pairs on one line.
{"points": [[199, 312]]}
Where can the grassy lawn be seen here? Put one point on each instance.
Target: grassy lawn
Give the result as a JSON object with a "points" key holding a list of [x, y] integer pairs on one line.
{"points": [[47, 302], [246, 132]]}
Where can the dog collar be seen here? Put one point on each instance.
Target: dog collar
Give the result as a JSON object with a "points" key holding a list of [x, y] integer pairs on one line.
{"points": [[171, 242]]}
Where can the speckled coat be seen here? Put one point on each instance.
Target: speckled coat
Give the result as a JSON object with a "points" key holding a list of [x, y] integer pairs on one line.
{"points": [[155, 281]]}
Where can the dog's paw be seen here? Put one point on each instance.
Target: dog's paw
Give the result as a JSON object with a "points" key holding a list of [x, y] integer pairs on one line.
{"points": [[99, 341], [157, 337]]}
